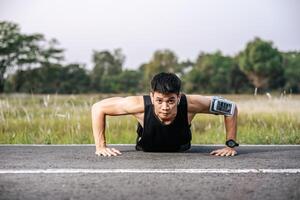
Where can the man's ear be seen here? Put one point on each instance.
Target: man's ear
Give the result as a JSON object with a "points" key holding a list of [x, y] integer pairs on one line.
{"points": [[152, 96], [179, 97]]}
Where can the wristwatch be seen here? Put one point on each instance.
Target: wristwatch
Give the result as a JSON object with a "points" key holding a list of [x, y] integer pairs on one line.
{"points": [[231, 143]]}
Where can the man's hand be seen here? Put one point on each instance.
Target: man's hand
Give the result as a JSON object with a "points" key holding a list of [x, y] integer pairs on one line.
{"points": [[227, 151], [105, 151]]}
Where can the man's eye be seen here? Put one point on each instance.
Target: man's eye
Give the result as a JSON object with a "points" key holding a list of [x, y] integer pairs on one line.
{"points": [[159, 101], [171, 101]]}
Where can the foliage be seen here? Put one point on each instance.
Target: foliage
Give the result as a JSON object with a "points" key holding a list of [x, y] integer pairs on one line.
{"points": [[162, 61], [211, 73], [292, 71], [51, 78], [107, 65], [30, 64], [262, 63], [18, 49]]}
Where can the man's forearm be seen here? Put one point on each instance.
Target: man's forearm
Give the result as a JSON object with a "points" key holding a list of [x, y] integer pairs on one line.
{"points": [[98, 124], [231, 126]]}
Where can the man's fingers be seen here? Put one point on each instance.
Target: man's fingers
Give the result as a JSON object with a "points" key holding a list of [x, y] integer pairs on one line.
{"points": [[224, 153], [229, 153], [213, 152], [111, 152], [101, 153], [216, 152], [98, 153], [104, 153], [116, 151], [108, 152]]}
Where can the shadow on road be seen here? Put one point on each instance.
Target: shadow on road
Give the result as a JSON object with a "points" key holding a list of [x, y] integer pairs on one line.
{"points": [[241, 150]]}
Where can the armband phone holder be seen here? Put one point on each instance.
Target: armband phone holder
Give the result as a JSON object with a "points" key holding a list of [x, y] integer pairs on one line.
{"points": [[221, 106]]}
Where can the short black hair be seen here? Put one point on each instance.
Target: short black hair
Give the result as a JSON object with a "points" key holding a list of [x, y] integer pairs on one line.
{"points": [[166, 83]]}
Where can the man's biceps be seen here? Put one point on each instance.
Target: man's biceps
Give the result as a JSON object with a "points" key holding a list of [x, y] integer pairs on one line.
{"points": [[203, 104], [113, 107], [123, 107], [120, 106], [116, 110], [199, 109]]}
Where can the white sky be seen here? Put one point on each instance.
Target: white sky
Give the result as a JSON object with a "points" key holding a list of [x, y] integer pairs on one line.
{"points": [[139, 27]]}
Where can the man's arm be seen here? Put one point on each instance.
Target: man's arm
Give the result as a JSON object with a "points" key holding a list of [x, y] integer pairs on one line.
{"points": [[114, 107], [201, 104], [231, 130]]}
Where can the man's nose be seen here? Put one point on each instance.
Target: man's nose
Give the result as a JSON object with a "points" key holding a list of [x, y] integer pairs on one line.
{"points": [[165, 106]]}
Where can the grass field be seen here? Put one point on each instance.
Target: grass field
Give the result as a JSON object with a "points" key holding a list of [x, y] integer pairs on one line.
{"points": [[66, 119]]}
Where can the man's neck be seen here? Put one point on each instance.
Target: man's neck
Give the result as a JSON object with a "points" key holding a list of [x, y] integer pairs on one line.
{"points": [[166, 121]]}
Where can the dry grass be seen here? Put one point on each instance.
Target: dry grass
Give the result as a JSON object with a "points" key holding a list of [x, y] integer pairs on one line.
{"points": [[57, 119]]}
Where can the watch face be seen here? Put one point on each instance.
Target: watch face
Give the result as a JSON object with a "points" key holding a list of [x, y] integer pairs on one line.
{"points": [[231, 143]]}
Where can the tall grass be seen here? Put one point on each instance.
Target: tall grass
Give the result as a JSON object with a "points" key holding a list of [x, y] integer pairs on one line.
{"points": [[66, 119]]}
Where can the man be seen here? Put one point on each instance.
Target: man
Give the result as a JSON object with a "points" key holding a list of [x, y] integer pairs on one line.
{"points": [[164, 117]]}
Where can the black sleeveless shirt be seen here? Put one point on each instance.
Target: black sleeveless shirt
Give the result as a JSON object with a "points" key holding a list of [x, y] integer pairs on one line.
{"points": [[156, 136]]}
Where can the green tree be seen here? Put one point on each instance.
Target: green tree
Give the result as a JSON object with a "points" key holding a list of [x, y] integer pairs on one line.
{"points": [[73, 79], [130, 81], [106, 65], [38, 80], [262, 63], [17, 49], [162, 61], [292, 71], [239, 80], [211, 73], [52, 78]]}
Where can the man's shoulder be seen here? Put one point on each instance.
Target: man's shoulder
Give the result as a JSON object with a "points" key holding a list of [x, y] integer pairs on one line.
{"points": [[131, 104], [135, 99], [197, 103], [124, 100], [196, 97]]}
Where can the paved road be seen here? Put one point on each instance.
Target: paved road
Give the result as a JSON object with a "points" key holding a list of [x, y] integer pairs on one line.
{"points": [[69, 181]]}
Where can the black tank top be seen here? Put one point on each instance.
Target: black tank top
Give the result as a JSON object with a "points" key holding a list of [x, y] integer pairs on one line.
{"points": [[156, 136]]}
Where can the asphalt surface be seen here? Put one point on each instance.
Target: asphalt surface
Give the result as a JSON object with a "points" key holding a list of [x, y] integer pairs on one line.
{"points": [[146, 185]]}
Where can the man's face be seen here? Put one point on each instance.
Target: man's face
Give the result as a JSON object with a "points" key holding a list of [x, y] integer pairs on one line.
{"points": [[165, 105]]}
